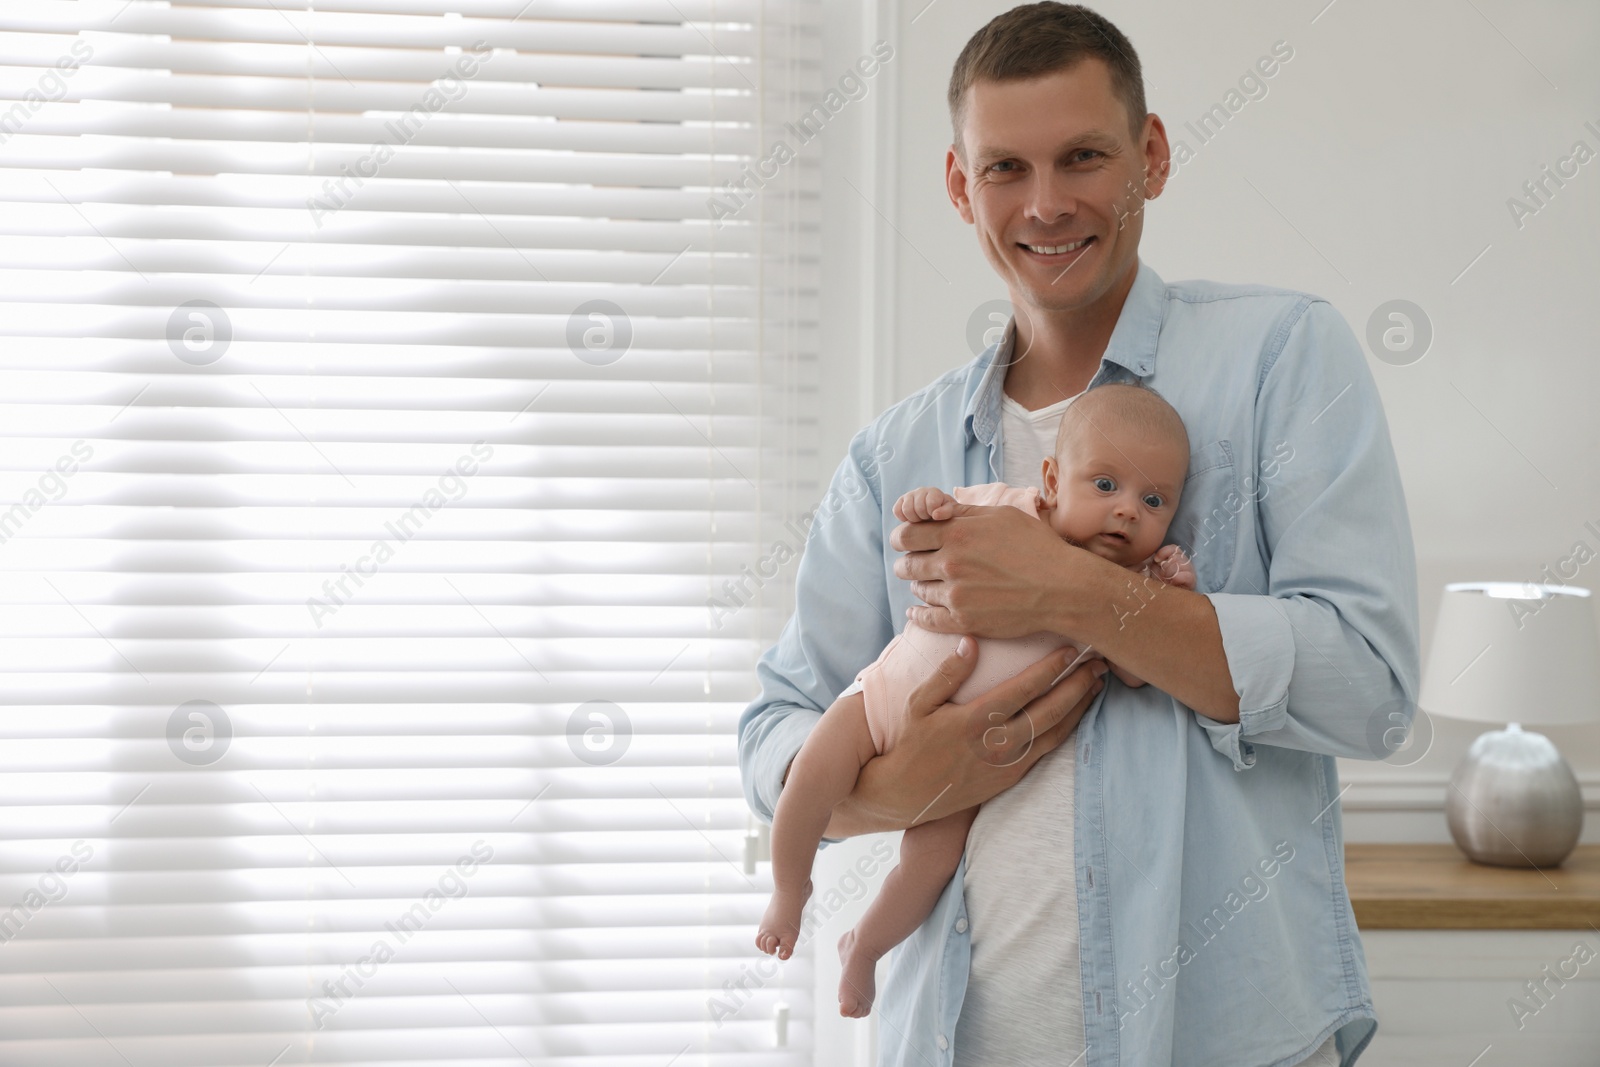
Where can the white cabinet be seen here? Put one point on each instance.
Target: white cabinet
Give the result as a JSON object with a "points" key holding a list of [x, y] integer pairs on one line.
{"points": [[1447, 998]]}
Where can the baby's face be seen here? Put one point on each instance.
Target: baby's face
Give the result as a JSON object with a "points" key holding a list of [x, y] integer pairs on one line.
{"points": [[1114, 493]]}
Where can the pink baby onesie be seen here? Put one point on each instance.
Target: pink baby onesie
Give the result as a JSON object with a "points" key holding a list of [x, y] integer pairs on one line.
{"points": [[915, 654]]}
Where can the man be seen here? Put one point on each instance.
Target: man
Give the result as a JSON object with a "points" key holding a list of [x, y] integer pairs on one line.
{"points": [[1167, 886]]}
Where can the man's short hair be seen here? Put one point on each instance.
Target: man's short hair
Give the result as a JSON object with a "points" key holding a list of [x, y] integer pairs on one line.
{"points": [[1124, 405], [1038, 39]]}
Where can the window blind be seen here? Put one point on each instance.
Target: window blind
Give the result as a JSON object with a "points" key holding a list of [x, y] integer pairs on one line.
{"points": [[389, 415]]}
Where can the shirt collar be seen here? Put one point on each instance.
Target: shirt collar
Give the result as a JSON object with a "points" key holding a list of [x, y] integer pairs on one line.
{"points": [[1132, 347]]}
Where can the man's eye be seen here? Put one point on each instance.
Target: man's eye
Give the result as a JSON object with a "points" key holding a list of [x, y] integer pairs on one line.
{"points": [[1105, 485], [1153, 501], [1085, 152]]}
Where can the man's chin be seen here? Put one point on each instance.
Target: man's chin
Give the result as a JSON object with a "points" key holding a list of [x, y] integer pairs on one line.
{"points": [[1065, 294]]}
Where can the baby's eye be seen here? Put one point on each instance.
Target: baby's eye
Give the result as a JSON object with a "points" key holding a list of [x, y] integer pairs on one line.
{"points": [[1105, 485], [1154, 501]]}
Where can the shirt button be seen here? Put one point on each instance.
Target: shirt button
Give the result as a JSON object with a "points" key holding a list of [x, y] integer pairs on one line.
{"points": [[961, 926], [943, 1044]]}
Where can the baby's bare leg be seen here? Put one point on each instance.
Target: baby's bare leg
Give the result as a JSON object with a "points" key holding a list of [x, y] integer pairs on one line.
{"points": [[929, 855], [822, 774]]}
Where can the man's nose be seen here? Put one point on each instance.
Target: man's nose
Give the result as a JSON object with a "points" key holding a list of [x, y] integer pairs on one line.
{"points": [[1051, 197]]}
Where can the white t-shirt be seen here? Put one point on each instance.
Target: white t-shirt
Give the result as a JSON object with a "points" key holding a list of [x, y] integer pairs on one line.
{"points": [[1024, 1003]]}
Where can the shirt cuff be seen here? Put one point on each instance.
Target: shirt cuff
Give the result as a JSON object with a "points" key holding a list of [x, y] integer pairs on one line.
{"points": [[1258, 641], [778, 748]]}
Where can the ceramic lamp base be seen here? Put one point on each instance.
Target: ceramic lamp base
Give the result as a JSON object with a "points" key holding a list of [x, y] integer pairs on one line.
{"points": [[1514, 801]]}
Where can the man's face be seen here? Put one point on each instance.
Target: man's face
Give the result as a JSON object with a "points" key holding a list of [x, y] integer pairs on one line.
{"points": [[1114, 493], [1049, 162]]}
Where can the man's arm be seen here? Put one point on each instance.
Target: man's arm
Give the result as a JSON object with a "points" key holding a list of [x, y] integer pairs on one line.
{"points": [[1166, 635], [1329, 650], [1000, 574], [1172, 569], [1312, 661], [948, 757]]}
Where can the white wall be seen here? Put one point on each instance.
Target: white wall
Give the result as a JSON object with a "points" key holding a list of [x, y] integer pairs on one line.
{"points": [[1377, 166]]}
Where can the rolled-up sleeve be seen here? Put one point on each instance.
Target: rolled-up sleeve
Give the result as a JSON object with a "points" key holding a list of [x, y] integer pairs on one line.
{"points": [[1328, 652], [840, 624]]}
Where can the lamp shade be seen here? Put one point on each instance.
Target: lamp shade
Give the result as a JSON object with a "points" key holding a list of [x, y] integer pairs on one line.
{"points": [[1514, 652]]}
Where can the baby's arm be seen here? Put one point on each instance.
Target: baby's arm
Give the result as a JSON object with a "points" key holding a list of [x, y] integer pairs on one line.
{"points": [[925, 505], [1169, 565]]}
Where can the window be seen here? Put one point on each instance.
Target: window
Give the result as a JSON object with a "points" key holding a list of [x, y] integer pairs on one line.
{"points": [[398, 397]]}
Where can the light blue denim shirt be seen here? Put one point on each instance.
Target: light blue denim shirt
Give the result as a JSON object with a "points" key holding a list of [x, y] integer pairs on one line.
{"points": [[1213, 923]]}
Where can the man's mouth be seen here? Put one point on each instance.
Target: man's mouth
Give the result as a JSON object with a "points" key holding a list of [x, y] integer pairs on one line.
{"points": [[1056, 252]]}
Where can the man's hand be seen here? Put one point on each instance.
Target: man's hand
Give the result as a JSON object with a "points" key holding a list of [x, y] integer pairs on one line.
{"points": [[985, 571], [995, 572], [1169, 564], [950, 757]]}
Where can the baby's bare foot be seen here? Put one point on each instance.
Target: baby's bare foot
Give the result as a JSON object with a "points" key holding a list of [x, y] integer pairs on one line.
{"points": [[858, 983], [780, 926]]}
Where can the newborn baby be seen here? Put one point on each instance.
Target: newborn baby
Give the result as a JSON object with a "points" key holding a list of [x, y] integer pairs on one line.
{"points": [[1111, 488]]}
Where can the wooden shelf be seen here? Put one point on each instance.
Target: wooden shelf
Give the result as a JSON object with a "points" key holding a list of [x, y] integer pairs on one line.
{"points": [[1435, 887]]}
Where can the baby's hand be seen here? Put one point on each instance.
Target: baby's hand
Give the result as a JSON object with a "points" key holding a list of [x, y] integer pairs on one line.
{"points": [[924, 505], [1171, 566]]}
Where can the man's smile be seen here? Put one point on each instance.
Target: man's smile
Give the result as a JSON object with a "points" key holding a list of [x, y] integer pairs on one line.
{"points": [[1056, 253]]}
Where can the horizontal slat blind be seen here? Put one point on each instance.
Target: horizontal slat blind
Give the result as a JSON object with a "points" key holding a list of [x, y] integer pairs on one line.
{"points": [[391, 427]]}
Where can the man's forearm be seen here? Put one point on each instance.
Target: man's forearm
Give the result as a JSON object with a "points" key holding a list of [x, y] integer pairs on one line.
{"points": [[852, 818], [1166, 635]]}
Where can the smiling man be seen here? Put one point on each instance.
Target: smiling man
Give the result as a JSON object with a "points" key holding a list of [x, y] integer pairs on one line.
{"points": [[1156, 874]]}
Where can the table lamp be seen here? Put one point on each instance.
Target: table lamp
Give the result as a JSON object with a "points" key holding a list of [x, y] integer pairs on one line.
{"points": [[1516, 653]]}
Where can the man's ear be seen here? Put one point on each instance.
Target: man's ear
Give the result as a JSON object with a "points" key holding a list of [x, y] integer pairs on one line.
{"points": [[1157, 157], [955, 183]]}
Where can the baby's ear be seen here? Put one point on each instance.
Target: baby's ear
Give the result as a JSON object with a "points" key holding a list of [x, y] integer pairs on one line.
{"points": [[1047, 492]]}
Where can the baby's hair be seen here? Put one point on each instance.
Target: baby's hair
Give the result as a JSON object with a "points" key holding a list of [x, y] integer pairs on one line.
{"points": [[1130, 405]]}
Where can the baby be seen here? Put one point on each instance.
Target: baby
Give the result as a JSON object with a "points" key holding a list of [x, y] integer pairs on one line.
{"points": [[1111, 488]]}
